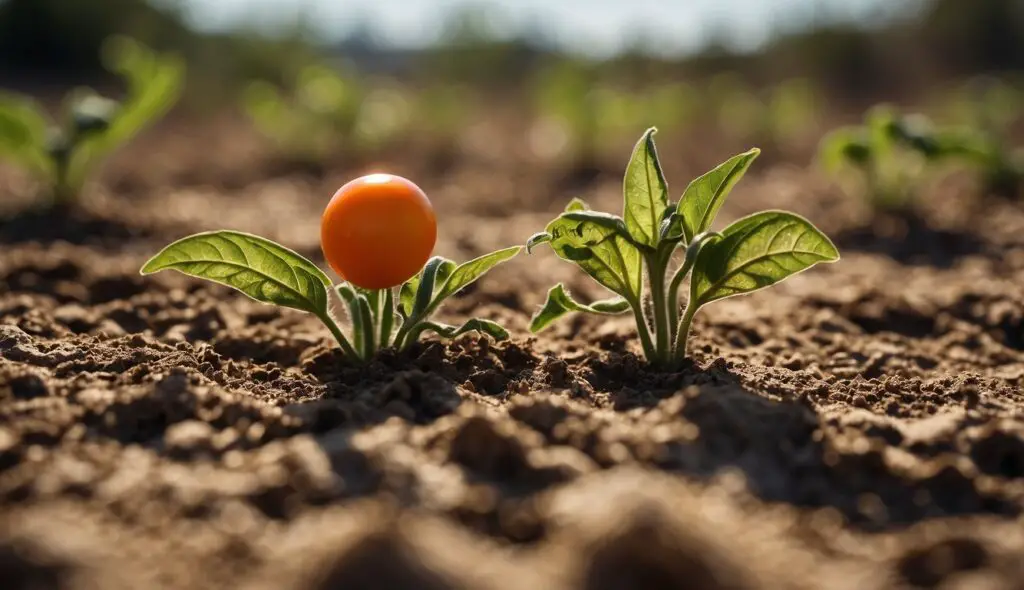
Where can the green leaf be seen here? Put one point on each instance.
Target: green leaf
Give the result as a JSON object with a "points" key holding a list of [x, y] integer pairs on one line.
{"points": [[705, 195], [263, 270], [560, 303], [645, 192], [843, 147], [468, 272], [601, 251], [351, 297], [483, 326], [756, 252], [417, 293], [606, 220], [536, 240], [154, 84], [23, 132], [577, 204]]}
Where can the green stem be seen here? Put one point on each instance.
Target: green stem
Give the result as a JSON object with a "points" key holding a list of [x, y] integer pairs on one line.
{"points": [[332, 325], [387, 318], [656, 274], [683, 332], [62, 193], [673, 296], [369, 330], [645, 333], [402, 339]]}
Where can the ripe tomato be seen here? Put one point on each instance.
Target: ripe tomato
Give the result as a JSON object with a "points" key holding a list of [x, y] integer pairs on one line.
{"points": [[378, 231]]}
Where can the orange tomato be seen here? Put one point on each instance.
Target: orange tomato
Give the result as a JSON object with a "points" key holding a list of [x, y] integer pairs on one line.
{"points": [[378, 231]]}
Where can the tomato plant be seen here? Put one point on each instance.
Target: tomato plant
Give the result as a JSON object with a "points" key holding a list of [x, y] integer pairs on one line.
{"points": [[377, 233], [750, 254]]}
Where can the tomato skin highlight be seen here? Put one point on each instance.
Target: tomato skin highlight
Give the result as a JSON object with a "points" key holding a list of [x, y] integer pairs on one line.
{"points": [[378, 231]]}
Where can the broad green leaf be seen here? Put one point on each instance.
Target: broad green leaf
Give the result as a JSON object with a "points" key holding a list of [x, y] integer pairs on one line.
{"points": [[645, 192], [23, 132], [601, 251], [705, 195], [468, 272], [755, 252], [483, 326], [560, 303], [263, 270]]}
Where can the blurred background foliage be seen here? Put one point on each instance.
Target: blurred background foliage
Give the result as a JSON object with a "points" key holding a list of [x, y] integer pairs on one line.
{"points": [[486, 88], [51, 41]]}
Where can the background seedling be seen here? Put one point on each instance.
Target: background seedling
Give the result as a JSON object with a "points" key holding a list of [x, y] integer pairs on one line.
{"points": [[273, 274], [986, 109], [893, 152], [780, 115], [92, 126], [327, 109], [620, 252], [887, 156]]}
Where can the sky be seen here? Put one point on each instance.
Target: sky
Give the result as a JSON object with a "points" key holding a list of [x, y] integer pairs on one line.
{"points": [[597, 27]]}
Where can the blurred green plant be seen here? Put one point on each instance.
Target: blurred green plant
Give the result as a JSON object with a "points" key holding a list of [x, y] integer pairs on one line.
{"points": [[581, 114], [440, 112], [884, 158], [987, 108], [779, 115], [92, 126], [892, 154], [328, 109]]}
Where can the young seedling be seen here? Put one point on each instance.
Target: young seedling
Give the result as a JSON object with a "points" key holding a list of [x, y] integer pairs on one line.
{"points": [[377, 233], [892, 152], [327, 109], [620, 252], [889, 155], [988, 108], [93, 126], [1001, 168]]}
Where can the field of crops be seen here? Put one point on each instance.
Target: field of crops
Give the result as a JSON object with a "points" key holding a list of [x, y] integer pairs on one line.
{"points": [[858, 426]]}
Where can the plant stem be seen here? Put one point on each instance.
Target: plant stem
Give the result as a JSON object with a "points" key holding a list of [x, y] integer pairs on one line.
{"points": [[656, 273], [369, 331], [673, 296], [62, 193], [387, 318], [683, 332], [332, 325], [643, 330]]}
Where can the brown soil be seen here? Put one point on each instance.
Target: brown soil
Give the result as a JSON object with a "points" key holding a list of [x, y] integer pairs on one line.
{"points": [[860, 426]]}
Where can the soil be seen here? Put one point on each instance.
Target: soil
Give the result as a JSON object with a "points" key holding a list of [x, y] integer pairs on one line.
{"points": [[859, 426]]}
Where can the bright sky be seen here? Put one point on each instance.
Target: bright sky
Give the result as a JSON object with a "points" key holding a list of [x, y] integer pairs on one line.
{"points": [[597, 26]]}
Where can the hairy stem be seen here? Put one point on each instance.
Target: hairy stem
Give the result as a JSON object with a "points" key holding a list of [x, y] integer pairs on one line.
{"points": [[332, 325]]}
